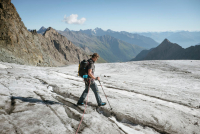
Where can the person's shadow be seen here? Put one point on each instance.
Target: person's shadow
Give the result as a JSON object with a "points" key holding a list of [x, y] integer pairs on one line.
{"points": [[33, 100]]}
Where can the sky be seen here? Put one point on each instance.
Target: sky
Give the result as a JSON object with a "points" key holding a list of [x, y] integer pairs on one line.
{"points": [[117, 15]]}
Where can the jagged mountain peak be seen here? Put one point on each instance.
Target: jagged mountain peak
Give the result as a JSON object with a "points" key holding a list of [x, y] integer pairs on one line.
{"points": [[166, 41], [98, 28], [166, 44], [42, 28], [66, 30]]}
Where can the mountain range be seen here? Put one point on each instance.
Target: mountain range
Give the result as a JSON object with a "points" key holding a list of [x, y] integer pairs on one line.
{"points": [[96, 40], [131, 38], [18, 45], [183, 38], [109, 48], [170, 51]]}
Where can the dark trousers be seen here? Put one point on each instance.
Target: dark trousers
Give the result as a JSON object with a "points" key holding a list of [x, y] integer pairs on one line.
{"points": [[94, 88]]}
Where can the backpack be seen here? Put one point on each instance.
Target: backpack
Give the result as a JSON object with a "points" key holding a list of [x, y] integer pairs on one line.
{"points": [[83, 69]]}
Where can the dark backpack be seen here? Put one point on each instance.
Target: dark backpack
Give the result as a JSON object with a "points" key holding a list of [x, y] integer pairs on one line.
{"points": [[83, 69]]}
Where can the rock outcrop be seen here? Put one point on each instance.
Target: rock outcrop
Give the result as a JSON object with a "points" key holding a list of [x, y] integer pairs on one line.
{"points": [[18, 45]]}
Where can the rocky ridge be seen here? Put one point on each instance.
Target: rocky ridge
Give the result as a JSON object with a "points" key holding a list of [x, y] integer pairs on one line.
{"points": [[18, 45]]}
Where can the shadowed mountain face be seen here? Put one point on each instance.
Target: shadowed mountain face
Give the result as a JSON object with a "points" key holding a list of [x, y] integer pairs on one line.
{"points": [[135, 39], [141, 55], [108, 47], [166, 50], [170, 51], [18, 45]]}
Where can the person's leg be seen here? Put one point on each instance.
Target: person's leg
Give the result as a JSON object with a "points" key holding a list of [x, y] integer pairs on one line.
{"points": [[94, 88], [84, 94]]}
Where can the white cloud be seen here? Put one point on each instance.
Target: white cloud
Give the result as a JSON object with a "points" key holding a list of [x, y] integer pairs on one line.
{"points": [[72, 19]]}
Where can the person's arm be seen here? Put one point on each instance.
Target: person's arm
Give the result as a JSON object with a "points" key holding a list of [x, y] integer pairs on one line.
{"points": [[91, 75]]}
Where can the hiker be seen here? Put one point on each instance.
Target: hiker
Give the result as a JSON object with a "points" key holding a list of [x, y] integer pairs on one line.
{"points": [[90, 81]]}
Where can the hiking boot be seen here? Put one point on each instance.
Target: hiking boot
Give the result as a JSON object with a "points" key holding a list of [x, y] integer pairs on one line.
{"points": [[80, 103], [102, 104]]}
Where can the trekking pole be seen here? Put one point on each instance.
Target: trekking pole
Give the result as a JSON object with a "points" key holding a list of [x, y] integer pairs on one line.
{"points": [[105, 95], [85, 108]]}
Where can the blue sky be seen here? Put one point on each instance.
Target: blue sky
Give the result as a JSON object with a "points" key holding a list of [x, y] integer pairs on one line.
{"points": [[117, 15]]}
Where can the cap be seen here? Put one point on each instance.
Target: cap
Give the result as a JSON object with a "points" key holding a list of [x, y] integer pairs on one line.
{"points": [[95, 55]]}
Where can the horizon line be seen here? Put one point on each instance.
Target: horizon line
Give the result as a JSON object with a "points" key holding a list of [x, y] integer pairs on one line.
{"points": [[125, 31]]}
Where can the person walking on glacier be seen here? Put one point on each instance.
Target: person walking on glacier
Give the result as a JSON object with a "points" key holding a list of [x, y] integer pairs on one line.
{"points": [[90, 82]]}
